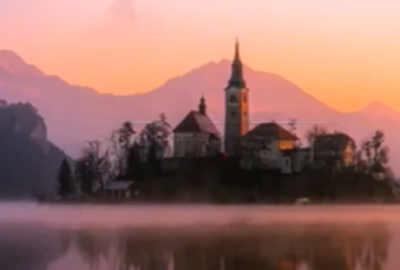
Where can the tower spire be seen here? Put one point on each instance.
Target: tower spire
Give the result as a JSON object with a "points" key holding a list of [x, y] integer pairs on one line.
{"points": [[237, 51], [237, 79], [202, 106]]}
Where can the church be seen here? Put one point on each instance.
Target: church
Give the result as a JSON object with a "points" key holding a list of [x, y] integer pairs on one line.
{"points": [[197, 136]]}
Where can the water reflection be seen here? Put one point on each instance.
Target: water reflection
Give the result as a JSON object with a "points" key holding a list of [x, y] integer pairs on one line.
{"points": [[31, 247], [270, 247], [93, 246]]}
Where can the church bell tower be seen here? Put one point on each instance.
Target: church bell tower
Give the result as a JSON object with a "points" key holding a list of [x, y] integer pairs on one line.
{"points": [[236, 105]]}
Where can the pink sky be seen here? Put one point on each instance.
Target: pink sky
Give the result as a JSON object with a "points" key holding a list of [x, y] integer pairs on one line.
{"points": [[346, 53]]}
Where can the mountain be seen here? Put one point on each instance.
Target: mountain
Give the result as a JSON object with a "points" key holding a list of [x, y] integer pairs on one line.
{"points": [[87, 114], [28, 161], [74, 113]]}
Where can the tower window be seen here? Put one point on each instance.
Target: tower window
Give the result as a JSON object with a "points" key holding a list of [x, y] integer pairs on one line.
{"points": [[233, 98], [233, 113]]}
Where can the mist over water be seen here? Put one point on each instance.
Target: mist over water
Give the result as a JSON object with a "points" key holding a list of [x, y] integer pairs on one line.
{"points": [[198, 237], [81, 215]]}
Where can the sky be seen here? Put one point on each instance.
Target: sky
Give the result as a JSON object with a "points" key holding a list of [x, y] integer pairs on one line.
{"points": [[345, 53]]}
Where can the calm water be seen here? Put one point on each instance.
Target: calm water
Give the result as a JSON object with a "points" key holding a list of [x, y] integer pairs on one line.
{"points": [[34, 237]]}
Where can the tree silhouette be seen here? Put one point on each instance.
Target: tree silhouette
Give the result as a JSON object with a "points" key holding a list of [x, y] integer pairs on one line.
{"points": [[314, 131], [156, 138], [133, 163], [374, 151], [121, 143], [92, 167], [65, 183]]}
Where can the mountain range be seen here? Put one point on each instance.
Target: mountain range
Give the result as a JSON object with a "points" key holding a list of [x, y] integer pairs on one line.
{"points": [[75, 113]]}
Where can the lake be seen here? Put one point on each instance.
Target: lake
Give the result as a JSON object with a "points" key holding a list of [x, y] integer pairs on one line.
{"points": [[201, 237]]}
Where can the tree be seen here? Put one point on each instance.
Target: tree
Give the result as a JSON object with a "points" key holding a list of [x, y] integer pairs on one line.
{"points": [[121, 143], [156, 138], [374, 151], [84, 175], [314, 131], [371, 165], [93, 168], [379, 149], [134, 166], [65, 179]]}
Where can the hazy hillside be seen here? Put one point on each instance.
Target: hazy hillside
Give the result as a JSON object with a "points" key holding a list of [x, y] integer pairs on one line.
{"points": [[74, 114], [28, 162]]}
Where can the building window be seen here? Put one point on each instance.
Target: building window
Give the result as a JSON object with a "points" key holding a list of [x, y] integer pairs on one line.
{"points": [[233, 99], [244, 99], [233, 113], [244, 114]]}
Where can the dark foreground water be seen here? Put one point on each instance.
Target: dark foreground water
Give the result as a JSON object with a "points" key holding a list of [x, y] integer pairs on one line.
{"points": [[34, 237]]}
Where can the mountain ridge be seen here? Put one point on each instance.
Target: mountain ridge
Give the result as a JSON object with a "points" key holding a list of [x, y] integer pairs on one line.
{"points": [[13, 63], [75, 113]]}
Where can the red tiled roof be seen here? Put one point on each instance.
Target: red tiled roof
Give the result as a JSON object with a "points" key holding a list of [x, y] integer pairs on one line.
{"points": [[272, 131], [195, 122]]}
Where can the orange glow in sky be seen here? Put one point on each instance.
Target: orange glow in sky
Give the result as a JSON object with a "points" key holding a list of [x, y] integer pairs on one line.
{"points": [[345, 53]]}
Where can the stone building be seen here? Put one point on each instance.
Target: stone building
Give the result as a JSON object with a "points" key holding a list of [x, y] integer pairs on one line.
{"points": [[266, 146], [337, 148], [196, 135]]}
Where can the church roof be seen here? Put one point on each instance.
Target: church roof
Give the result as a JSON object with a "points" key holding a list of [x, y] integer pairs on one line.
{"points": [[196, 122], [272, 131]]}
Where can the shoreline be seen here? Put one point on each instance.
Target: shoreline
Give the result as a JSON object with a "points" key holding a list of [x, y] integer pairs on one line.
{"points": [[256, 204]]}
